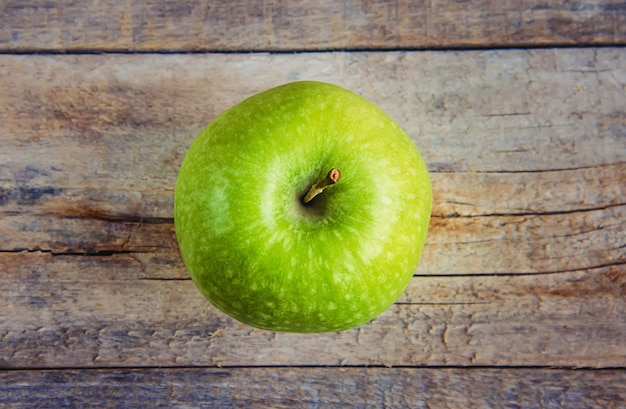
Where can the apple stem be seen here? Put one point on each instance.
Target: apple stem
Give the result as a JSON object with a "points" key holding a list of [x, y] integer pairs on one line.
{"points": [[330, 179]]}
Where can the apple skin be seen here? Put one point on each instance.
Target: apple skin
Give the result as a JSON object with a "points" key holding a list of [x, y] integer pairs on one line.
{"points": [[261, 256]]}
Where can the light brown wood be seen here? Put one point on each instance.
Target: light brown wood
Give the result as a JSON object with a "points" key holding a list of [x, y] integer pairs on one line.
{"points": [[524, 267], [459, 245], [519, 186], [245, 25], [307, 387], [467, 111], [133, 310]]}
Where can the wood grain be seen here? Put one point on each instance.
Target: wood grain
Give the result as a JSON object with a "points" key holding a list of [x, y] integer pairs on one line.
{"points": [[315, 387], [279, 25], [494, 244], [467, 111], [140, 309], [524, 267], [93, 144]]}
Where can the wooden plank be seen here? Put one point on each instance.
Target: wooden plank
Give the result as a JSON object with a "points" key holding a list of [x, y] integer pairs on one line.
{"points": [[520, 186], [467, 111], [90, 147], [459, 245], [271, 25], [312, 387], [131, 310]]}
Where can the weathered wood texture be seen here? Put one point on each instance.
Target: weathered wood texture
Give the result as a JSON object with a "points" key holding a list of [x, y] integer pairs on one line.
{"points": [[315, 387], [124, 310], [525, 263], [92, 145], [248, 25]]}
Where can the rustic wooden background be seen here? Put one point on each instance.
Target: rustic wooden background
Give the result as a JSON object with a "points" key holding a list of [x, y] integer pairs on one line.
{"points": [[518, 106]]}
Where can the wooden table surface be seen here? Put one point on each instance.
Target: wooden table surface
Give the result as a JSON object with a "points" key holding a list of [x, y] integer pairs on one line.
{"points": [[518, 107]]}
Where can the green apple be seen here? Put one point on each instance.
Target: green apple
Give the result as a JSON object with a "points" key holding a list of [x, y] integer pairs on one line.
{"points": [[268, 236]]}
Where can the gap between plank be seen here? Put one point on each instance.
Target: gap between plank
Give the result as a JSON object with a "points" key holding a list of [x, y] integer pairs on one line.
{"points": [[453, 48], [313, 366]]}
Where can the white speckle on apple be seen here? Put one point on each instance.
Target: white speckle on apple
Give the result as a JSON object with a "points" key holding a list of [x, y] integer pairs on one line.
{"points": [[339, 278]]}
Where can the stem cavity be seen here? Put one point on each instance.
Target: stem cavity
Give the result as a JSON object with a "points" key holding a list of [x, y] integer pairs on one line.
{"points": [[331, 178]]}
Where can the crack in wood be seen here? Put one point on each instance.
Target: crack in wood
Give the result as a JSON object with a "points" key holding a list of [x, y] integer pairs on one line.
{"points": [[498, 114], [529, 213], [616, 263], [98, 253], [113, 218], [523, 171]]}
